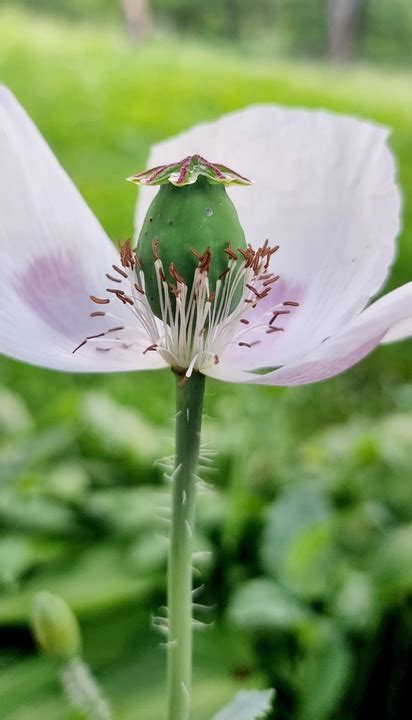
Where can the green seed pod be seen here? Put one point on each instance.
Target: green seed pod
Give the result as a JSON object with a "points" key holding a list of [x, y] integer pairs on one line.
{"points": [[55, 627], [192, 213]]}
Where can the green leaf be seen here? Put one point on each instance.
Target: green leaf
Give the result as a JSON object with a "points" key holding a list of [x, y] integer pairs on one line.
{"points": [[298, 542], [262, 604], [393, 566], [248, 705], [322, 673], [98, 579], [121, 430]]}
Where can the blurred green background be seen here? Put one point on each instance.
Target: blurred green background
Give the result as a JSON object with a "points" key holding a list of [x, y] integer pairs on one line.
{"points": [[310, 519]]}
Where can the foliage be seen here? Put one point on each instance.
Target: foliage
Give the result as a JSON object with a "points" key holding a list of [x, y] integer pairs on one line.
{"points": [[325, 603], [293, 27]]}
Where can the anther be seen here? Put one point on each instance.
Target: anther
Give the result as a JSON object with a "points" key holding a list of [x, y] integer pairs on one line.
{"points": [[120, 271], [245, 322], [126, 256], [150, 348], [229, 252], [97, 313], [273, 329], [271, 280], [155, 248], [292, 303], [276, 314], [175, 275], [112, 278], [99, 301], [139, 289]]}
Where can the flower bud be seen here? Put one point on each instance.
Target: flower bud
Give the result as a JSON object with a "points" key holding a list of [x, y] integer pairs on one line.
{"points": [[55, 627], [191, 219]]}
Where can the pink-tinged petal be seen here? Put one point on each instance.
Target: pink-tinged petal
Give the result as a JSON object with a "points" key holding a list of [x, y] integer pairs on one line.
{"points": [[324, 191], [338, 353], [263, 335], [53, 255]]}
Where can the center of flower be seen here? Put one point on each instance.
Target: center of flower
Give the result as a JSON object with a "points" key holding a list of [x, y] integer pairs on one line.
{"points": [[196, 325], [193, 284]]}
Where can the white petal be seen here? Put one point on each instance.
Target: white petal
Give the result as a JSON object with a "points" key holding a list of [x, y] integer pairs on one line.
{"points": [[53, 255], [400, 331], [324, 191], [340, 352]]}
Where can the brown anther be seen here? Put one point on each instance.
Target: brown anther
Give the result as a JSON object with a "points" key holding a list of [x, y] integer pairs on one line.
{"points": [[205, 260], [97, 313], [120, 271], [253, 290], [229, 252], [244, 321], [139, 289], [273, 329], [271, 280], [126, 299], [175, 275], [162, 275], [216, 359], [155, 248], [99, 301], [115, 329], [197, 254], [150, 348], [113, 279], [115, 291], [174, 290], [126, 256], [292, 303], [276, 315], [244, 344]]}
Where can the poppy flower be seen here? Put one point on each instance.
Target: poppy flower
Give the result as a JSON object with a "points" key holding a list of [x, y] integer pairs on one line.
{"points": [[314, 242]]}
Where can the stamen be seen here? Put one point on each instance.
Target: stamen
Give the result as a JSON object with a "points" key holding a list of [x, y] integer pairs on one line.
{"points": [[120, 271], [150, 348], [195, 325], [126, 256], [99, 301], [155, 248], [112, 278]]}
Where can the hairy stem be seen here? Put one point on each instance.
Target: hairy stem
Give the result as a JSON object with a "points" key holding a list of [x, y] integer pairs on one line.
{"points": [[189, 403]]}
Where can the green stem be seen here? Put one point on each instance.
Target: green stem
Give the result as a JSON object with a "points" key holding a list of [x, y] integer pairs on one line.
{"points": [[189, 404]]}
